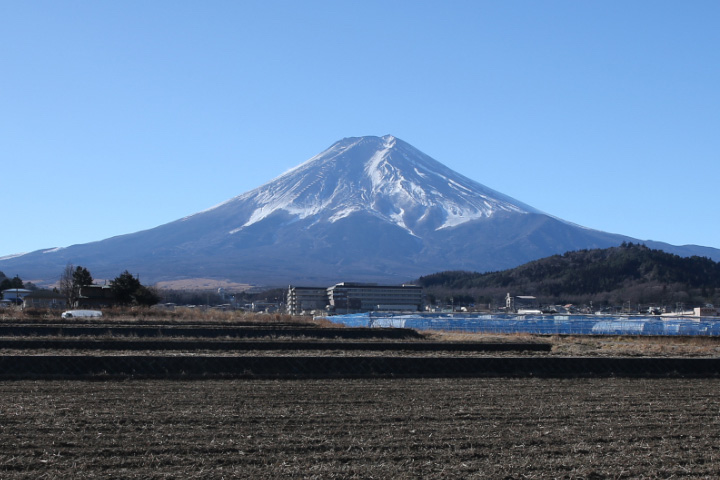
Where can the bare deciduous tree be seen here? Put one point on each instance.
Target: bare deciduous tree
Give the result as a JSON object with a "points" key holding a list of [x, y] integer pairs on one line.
{"points": [[66, 285], [72, 280]]}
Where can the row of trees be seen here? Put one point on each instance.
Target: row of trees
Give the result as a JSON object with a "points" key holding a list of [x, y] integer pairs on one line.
{"points": [[126, 288], [6, 283], [15, 282]]}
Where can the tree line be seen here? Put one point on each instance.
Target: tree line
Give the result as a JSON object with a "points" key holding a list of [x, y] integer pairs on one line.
{"points": [[7, 283], [629, 273], [126, 288]]}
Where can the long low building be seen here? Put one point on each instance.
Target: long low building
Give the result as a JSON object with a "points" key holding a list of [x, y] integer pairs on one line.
{"points": [[354, 297]]}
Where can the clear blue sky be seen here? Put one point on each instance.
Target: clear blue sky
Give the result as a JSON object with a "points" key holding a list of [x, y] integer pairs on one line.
{"points": [[120, 116]]}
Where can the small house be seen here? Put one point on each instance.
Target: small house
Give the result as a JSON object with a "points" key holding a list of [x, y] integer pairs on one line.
{"points": [[44, 299], [96, 296], [15, 295]]}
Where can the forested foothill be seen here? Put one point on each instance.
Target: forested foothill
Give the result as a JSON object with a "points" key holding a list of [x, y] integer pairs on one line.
{"points": [[630, 274]]}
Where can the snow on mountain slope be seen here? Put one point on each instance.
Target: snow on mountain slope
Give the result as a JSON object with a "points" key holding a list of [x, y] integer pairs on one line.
{"points": [[366, 209], [383, 176]]}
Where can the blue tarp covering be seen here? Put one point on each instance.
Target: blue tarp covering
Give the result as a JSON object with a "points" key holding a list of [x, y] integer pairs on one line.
{"points": [[538, 324]]}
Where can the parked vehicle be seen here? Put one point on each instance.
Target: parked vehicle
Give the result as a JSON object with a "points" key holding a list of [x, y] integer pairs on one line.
{"points": [[81, 313]]}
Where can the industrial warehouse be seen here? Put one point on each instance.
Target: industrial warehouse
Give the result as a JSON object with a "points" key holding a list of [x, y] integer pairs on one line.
{"points": [[350, 297]]}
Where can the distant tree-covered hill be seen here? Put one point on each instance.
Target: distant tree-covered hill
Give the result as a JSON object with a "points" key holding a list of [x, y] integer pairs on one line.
{"points": [[629, 273]]}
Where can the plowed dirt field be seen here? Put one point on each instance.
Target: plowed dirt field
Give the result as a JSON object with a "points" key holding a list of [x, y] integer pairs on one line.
{"points": [[361, 428], [160, 399]]}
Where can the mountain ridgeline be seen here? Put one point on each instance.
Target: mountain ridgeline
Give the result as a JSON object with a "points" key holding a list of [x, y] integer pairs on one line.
{"points": [[367, 209], [612, 276]]}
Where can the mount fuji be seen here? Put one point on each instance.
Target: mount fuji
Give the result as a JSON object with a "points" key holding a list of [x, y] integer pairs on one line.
{"points": [[366, 209]]}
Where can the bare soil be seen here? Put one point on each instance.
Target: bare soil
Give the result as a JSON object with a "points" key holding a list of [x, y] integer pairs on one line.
{"points": [[382, 428], [514, 425], [242, 348]]}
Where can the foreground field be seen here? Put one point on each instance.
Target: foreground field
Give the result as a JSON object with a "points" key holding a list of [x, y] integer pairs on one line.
{"points": [[383, 428], [301, 400], [288, 348]]}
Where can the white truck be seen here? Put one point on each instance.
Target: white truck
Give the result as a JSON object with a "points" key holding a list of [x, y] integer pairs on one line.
{"points": [[81, 313]]}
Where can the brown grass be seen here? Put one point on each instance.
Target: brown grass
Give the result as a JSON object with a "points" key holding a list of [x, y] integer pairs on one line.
{"points": [[571, 345], [601, 345], [159, 316]]}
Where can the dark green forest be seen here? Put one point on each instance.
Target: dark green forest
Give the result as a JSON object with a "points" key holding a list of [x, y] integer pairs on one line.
{"points": [[630, 273]]}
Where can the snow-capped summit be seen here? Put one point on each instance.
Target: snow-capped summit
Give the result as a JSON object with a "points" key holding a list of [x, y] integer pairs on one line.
{"points": [[382, 176], [366, 209]]}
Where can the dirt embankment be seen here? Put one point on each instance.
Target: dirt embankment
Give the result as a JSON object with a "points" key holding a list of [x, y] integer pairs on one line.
{"points": [[305, 350]]}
